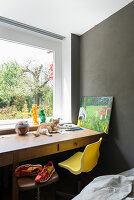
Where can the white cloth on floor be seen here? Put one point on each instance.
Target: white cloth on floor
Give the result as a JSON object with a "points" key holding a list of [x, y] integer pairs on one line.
{"points": [[128, 172], [110, 187]]}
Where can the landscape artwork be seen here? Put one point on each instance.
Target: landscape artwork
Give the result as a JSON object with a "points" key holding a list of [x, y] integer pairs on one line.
{"points": [[95, 113]]}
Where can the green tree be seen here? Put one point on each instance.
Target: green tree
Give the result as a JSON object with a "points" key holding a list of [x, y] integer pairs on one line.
{"points": [[13, 82], [47, 99], [9, 81], [38, 76], [30, 83]]}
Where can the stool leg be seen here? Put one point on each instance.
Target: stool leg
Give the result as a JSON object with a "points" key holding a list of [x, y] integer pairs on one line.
{"points": [[79, 186], [38, 193], [15, 191]]}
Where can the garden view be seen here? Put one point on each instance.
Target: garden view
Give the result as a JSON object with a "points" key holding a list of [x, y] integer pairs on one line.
{"points": [[26, 78]]}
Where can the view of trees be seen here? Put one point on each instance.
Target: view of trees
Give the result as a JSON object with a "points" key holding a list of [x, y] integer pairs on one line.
{"points": [[28, 84]]}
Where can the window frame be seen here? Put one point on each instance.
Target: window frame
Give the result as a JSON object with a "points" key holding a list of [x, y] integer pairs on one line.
{"points": [[29, 38]]}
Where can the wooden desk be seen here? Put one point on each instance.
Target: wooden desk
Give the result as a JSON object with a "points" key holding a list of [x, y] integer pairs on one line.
{"points": [[15, 149]]}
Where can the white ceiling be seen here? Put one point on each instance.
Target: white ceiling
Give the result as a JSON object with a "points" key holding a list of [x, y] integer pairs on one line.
{"points": [[61, 16]]}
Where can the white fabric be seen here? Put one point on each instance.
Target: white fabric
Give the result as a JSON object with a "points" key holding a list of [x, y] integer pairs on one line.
{"points": [[110, 187], [128, 172]]}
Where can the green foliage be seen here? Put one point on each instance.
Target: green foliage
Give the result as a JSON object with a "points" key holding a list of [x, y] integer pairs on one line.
{"points": [[38, 78], [19, 101], [12, 81], [10, 113], [47, 100], [24, 84]]}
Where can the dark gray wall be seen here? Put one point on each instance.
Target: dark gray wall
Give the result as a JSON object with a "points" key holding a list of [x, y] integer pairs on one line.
{"points": [[75, 76], [107, 69]]}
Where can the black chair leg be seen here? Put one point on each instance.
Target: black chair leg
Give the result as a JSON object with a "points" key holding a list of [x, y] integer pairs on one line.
{"points": [[78, 186], [64, 195], [38, 193], [67, 196]]}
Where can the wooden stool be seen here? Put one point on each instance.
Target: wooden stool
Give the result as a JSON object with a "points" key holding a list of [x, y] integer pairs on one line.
{"points": [[28, 183]]}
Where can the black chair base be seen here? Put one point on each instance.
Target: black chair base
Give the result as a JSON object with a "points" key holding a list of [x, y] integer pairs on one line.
{"points": [[65, 195], [68, 196]]}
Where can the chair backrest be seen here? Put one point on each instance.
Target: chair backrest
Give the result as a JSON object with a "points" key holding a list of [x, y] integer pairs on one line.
{"points": [[90, 156]]}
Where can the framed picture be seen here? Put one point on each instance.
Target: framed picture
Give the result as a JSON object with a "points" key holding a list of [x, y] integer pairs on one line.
{"points": [[95, 113]]}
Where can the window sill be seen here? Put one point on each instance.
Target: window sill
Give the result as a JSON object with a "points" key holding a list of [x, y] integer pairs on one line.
{"points": [[8, 126], [12, 130]]}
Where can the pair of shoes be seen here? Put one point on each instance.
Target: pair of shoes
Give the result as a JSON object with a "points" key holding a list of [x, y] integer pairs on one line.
{"points": [[42, 174], [46, 173], [28, 170]]}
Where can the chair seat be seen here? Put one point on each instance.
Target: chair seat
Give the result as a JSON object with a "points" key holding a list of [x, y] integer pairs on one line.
{"points": [[28, 183], [73, 164]]}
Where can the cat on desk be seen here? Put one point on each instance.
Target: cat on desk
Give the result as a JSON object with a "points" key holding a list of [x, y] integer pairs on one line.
{"points": [[47, 128]]}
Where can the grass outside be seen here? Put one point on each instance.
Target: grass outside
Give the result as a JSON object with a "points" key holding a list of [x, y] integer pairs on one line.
{"points": [[12, 112]]}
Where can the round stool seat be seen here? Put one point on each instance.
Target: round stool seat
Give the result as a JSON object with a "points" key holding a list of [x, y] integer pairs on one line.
{"points": [[28, 183]]}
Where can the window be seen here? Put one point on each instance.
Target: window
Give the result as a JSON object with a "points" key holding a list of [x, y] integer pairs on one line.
{"points": [[62, 66], [26, 78]]}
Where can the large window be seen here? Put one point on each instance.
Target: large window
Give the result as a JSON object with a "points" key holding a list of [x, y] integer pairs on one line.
{"points": [[26, 78]]}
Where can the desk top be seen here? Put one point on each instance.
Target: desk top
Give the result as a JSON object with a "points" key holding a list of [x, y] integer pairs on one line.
{"points": [[11, 143]]}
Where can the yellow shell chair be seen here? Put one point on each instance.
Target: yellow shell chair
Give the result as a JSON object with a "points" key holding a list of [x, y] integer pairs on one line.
{"points": [[81, 162]]}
